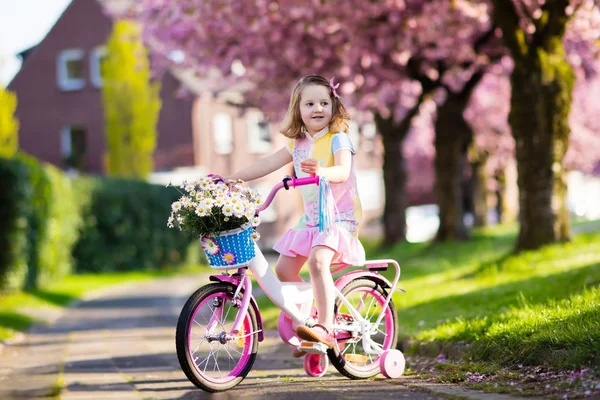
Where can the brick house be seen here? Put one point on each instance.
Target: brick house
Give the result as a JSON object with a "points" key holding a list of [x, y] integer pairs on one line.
{"points": [[62, 121]]}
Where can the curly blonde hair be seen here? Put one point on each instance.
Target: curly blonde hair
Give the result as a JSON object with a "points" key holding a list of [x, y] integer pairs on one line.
{"points": [[293, 125]]}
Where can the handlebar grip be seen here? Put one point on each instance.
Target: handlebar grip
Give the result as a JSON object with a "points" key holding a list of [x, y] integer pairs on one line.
{"points": [[310, 180]]}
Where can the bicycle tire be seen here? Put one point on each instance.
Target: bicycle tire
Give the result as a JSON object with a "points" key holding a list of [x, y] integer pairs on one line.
{"points": [[182, 340], [336, 356]]}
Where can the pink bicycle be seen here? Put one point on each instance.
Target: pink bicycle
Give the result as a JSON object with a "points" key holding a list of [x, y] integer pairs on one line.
{"points": [[220, 325]]}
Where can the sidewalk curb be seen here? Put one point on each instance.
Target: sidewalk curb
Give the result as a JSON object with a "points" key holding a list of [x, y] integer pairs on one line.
{"points": [[57, 312]]}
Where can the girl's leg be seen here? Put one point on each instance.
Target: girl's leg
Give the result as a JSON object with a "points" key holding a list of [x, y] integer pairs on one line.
{"points": [[319, 264], [288, 268]]}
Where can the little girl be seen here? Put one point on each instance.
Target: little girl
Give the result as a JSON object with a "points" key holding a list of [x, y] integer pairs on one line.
{"points": [[317, 123]]}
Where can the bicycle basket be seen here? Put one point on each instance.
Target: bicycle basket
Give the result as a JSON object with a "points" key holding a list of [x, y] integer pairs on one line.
{"points": [[229, 249]]}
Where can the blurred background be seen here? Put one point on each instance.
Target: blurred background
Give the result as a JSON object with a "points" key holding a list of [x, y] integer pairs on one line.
{"points": [[155, 92]]}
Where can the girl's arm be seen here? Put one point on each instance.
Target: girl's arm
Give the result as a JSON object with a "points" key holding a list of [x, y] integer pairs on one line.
{"points": [[336, 174], [264, 166]]}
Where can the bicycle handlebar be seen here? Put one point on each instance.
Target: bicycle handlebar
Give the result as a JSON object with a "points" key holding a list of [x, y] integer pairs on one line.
{"points": [[286, 182]]}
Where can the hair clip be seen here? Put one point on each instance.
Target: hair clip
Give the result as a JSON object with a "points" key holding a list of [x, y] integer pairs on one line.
{"points": [[333, 87]]}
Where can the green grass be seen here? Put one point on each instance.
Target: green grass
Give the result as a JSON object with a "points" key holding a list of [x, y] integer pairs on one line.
{"points": [[475, 300], [18, 311]]}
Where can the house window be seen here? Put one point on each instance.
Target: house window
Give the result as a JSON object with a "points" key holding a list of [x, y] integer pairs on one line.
{"points": [[369, 130], [96, 58], [73, 147], [259, 133], [69, 70], [223, 133]]}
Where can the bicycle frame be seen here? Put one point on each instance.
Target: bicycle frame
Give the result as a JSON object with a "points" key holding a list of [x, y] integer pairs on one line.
{"points": [[288, 295]]}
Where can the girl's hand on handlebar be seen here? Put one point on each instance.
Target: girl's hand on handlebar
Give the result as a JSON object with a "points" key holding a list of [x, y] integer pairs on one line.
{"points": [[310, 166], [216, 178]]}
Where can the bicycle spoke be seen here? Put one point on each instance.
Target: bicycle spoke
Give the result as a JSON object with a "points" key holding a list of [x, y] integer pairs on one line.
{"points": [[369, 308], [232, 349], [215, 364]]}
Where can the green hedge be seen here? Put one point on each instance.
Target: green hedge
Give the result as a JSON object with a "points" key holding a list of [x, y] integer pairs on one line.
{"points": [[15, 210], [60, 229], [125, 227], [39, 224], [52, 225]]}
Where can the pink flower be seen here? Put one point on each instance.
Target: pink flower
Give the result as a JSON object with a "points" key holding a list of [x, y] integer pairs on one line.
{"points": [[210, 246], [229, 258]]}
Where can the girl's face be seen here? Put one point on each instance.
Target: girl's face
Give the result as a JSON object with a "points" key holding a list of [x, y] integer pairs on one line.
{"points": [[315, 108]]}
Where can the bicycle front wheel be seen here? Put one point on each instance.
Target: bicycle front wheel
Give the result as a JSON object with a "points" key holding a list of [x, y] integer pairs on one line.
{"points": [[209, 357], [351, 356]]}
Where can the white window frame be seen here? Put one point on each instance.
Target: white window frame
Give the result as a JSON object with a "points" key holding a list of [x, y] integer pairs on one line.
{"points": [[223, 133], [65, 83], [66, 148], [95, 67], [256, 144], [65, 141]]}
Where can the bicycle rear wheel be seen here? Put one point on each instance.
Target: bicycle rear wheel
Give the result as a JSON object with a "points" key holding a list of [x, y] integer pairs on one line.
{"points": [[209, 358], [349, 355]]}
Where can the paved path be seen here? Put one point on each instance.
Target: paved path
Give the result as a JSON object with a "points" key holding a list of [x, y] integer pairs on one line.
{"points": [[120, 345]]}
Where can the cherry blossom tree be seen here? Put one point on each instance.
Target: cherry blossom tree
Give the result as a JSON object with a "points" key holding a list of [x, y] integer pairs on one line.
{"points": [[391, 55]]}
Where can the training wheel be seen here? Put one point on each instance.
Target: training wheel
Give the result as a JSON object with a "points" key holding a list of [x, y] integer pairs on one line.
{"points": [[316, 364], [392, 364]]}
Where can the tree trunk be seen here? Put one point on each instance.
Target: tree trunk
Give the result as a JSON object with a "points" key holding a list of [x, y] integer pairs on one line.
{"points": [[480, 193], [451, 140], [452, 137], [540, 104], [542, 85], [394, 178]]}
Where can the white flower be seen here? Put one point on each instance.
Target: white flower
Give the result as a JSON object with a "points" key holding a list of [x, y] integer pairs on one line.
{"points": [[227, 210], [219, 201], [208, 203], [170, 222], [204, 185], [255, 236], [183, 184], [189, 188], [226, 219], [176, 206], [238, 210], [201, 211], [255, 221]]}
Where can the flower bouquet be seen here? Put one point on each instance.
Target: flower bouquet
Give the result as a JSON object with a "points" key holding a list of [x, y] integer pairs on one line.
{"points": [[222, 215]]}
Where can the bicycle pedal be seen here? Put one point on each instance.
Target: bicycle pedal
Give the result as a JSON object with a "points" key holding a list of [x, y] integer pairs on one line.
{"points": [[313, 347]]}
